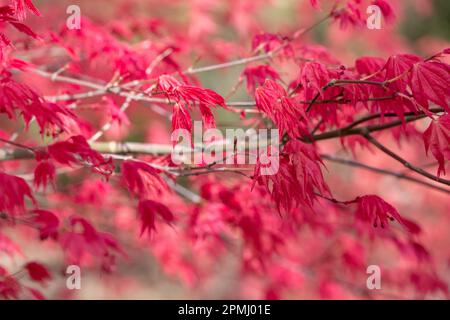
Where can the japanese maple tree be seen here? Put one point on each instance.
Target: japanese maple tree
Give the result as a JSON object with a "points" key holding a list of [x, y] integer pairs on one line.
{"points": [[87, 177]]}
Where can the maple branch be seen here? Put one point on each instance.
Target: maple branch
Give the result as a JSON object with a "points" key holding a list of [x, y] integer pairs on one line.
{"points": [[109, 124], [60, 78], [349, 81], [350, 130], [104, 88], [335, 201], [130, 148], [388, 115], [230, 63], [327, 135], [338, 82], [184, 192], [159, 149], [238, 171], [398, 175], [327, 101], [408, 165], [17, 145], [77, 96], [100, 88], [132, 97]]}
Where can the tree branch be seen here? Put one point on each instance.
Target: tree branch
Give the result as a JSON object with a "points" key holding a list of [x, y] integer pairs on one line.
{"points": [[350, 130], [403, 161], [398, 175]]}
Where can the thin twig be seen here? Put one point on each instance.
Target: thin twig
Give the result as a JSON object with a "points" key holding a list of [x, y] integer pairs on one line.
{"points": [[398, 175], [17, 145], [408, 165]]}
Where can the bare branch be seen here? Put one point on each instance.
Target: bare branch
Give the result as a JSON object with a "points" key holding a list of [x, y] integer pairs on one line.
{"points": [[398, 175], [408, 165]]}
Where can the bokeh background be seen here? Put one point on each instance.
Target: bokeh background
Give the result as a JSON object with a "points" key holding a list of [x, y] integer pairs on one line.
{"points": [[226, 28]]}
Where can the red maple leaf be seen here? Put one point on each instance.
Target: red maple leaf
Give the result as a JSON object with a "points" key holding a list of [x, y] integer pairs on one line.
{"points": [[181, 119], [273, 100], [13, 191], [148, 210], [50, 117], [349, 15], [142, 179], [37, 272], [373, 209], [83, 240], [255, 76], [207, 117], [46, 222], [44, 173], [397, 68], [298, 179], [430, 81], [21, 7], [437, 140], [13, 15], [369, 65], [313, 77], [185, 97], [76, 150]]}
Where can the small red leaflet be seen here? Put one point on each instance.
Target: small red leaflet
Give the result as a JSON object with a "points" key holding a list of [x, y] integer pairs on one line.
{"points": [[437, 140]]}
